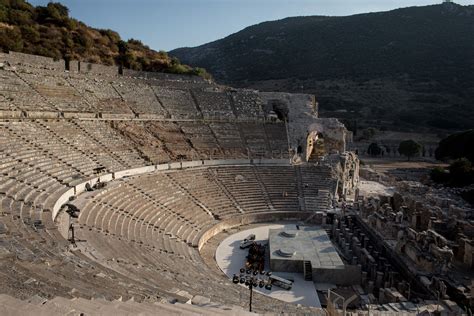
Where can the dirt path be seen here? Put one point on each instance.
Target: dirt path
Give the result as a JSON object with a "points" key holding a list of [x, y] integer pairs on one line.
{"points": [[387, 165]]}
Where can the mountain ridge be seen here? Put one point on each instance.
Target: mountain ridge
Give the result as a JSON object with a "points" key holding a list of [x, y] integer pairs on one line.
{"points": [[418, 53], [248, 36]]}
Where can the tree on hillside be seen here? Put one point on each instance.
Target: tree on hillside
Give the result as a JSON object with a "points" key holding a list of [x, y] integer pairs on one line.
{"points": [[439, 175], [461, 172], [456, 146], [468, 196], [54, 13], [374, 150], [409, 148]]}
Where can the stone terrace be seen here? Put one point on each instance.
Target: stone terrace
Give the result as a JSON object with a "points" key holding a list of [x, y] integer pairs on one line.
{"points": [[33, 89]]}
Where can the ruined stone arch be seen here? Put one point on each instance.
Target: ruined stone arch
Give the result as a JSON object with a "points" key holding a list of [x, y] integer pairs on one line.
{"points": [[315, 148]]}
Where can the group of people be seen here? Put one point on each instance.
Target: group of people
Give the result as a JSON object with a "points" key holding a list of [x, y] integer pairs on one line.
{"points": [[256, 257]]}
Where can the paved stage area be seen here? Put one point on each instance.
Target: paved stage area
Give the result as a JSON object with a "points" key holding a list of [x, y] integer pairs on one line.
{"points": [[230, 258]]}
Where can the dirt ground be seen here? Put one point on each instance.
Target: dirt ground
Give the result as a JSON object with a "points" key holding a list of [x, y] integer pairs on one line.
{"points": [[385, 165]]}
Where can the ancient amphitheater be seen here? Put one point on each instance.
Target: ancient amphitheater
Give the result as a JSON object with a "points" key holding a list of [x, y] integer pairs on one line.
{"points": [[112, 186]]}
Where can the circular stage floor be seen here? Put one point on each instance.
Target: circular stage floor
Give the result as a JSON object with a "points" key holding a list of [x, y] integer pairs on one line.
{"points": [[230, 258]]}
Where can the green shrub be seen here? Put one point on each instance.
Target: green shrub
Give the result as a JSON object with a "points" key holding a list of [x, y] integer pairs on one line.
{"points": [[3, 14], [461, 172], [30, 33], [456, 146], [11, 39], [468, 196], [374, 150], [18, 17], [409, 148], [439, 175]]}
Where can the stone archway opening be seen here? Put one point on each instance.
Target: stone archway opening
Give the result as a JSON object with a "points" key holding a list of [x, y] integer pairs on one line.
{"points": [[315, 147]]}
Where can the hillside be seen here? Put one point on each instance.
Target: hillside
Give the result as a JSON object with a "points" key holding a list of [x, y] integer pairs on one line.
{"points": [[402, 69], [49, 31]]}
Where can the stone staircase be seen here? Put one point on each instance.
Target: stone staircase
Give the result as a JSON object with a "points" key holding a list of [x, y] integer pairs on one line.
{"points": [[301, 199], [212, 175], [190, 196]]}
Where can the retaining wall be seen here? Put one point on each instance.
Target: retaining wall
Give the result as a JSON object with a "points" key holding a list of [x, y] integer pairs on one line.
{"points": [[79, 188], [252, 218]]}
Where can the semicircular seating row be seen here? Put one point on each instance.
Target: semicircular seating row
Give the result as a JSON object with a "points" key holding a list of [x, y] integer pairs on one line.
{"points": [[34, 89], [144, 224], [41, 159], [37, 165]]}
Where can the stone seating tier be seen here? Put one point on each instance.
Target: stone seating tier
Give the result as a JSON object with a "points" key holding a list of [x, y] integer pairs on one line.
{"points": [[139, 221], [35, 90], [247, 104]]}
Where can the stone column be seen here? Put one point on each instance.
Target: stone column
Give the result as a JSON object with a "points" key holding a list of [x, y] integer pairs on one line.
{"points": [[354, 260], [393, 279], [379, 280], [364, 240], [370, 287], [337, 235], [348, 251], [342, 242], [364, 279], [357, 248], [373, 270], [388, 268]]}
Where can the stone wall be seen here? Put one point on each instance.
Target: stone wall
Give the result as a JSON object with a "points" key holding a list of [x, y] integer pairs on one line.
{"points": [[302, 112], [98, 69], [346, 275], [333, 133], [346, 168], [41, 62], [33, 61], [159, 75], [74, 66], [80, 188], [262, 217]]}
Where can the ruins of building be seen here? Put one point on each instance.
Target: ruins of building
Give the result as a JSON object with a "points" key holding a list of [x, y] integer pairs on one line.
{"points": [[427, 235]]}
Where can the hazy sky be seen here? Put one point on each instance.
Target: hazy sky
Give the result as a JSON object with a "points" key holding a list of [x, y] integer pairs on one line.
{"points": [[168, 24]]}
